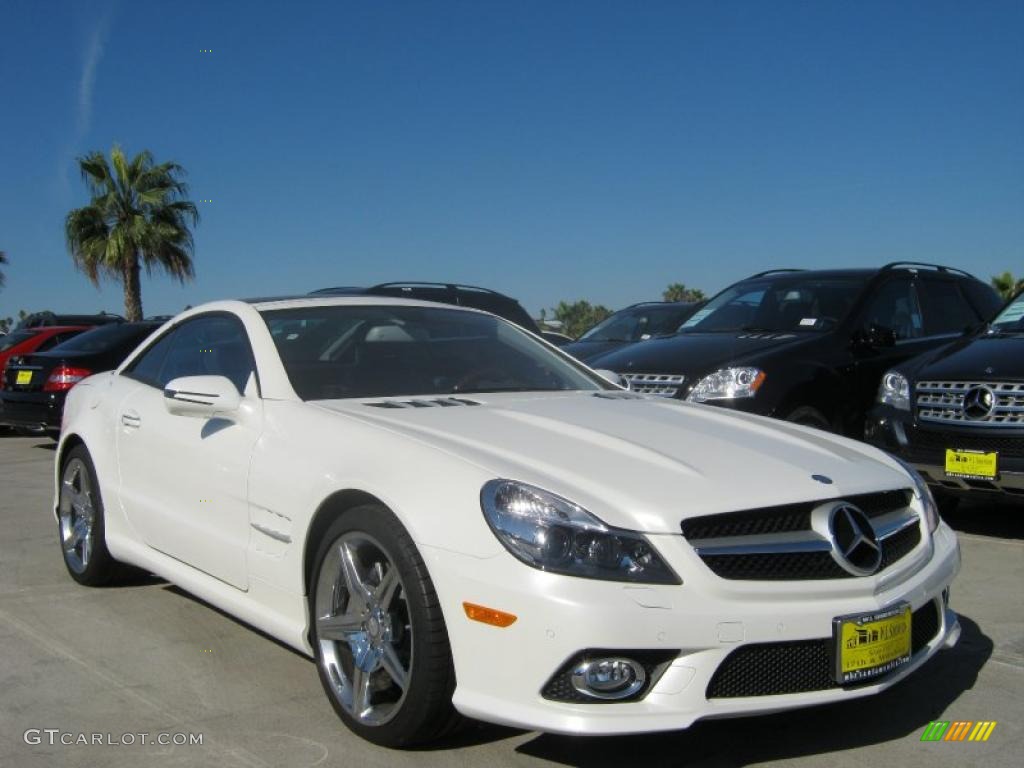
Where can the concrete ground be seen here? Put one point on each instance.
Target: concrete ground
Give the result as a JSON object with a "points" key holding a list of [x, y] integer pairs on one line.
{"points": [[149, 658]]}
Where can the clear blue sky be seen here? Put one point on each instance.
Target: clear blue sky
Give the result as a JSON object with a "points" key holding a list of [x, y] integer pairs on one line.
{"points": [[552, 150]]}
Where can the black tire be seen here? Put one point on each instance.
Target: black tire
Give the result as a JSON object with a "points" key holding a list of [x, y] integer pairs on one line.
{"points": [[424, 710], [98, 568], [809, 417]]}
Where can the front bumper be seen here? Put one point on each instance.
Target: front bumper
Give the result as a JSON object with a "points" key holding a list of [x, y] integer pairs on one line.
{"points": [[925, 448], [34, 411], [501, 672]]}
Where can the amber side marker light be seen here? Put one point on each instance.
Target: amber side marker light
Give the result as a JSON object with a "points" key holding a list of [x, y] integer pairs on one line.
{"points": [[488, 615]]}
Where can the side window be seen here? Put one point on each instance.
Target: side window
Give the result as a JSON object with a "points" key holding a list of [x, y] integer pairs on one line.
{"points": [[146, 367], [213, 345], [986, 302], [895, 308], [946, 310]]}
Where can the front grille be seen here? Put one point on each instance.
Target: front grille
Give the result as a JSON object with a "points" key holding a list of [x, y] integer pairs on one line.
{"points": [[661, 384], [774, 669], [786, 517], [753, 545], [1001, 403], [927, 441]]}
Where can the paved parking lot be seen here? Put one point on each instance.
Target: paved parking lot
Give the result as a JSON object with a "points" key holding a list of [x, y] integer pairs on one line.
{"points": [[149, 658]]}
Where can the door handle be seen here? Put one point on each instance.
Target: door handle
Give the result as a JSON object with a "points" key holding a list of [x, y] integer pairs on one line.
{"points": [[131, 419]]}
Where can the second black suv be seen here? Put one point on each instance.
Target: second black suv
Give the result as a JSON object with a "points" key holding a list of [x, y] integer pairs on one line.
{"points": [[807, 346], [957, 413]]}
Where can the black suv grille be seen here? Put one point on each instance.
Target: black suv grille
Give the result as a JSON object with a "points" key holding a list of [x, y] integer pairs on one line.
{"points": [[773, 669]]}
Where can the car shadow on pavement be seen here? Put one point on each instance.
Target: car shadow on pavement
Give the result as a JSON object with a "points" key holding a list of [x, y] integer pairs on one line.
{"points": [[902, 711]]}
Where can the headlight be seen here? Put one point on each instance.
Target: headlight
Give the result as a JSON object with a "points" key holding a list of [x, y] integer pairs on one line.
{"points": [[728, 384], [931, 509], [553, 534], [895, 391]]}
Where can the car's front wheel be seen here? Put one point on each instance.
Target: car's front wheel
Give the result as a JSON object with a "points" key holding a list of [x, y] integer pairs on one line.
{"points": [[381, 644], [81, 524]]}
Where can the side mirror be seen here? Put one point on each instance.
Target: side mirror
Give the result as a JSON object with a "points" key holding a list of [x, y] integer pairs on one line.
{"points": [[612, 376], [202, 397]]}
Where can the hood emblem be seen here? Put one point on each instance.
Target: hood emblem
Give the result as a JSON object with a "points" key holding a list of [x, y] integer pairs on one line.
{"points": [[824, 479], [978, 403], [854, 542]]}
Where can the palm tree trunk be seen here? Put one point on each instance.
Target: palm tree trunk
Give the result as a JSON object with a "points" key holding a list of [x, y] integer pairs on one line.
{"points": [[132, 290]]}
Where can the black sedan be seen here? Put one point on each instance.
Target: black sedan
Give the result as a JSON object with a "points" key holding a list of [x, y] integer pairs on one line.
{"points": [[639, 322], [33, 387], [957, 413]]}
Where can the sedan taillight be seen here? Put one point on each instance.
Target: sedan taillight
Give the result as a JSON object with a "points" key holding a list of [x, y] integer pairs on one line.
{"points": [[64, 377]]}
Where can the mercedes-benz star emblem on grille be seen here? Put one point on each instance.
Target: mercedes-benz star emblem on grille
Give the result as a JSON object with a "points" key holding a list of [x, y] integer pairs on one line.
{"points": [[978, 402], [854, 543]]}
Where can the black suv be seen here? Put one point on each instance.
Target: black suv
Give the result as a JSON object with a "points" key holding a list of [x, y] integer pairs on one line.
{"points": [[452, 293], [638, 322], [957, 413], [807, 346]]}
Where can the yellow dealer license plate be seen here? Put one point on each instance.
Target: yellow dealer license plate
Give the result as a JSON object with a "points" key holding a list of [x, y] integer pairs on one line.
{"points": [[24, 377], [973, 465], [869, 645]]}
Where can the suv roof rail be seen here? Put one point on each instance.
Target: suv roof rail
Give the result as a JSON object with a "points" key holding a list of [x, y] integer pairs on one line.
{"points": [[425, 284], [775, 271], [937, 267]]}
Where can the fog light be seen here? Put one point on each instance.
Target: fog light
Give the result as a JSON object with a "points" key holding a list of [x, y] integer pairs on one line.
{"points": [[614, 678]]}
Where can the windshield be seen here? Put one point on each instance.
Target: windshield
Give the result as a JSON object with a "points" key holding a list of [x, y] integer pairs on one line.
{"points": [[106, 337], [786, 303], [14, 339], [1011, 319], [334, 352], [638, 323]]}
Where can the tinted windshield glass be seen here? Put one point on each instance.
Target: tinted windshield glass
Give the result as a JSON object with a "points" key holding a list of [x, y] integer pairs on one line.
{"points": [[106, 337], [375, 351], [785, 303], [1011, 318], [637, 323], [14, 339]]}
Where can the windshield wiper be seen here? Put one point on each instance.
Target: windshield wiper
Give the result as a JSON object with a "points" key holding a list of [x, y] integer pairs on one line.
{"points": [[491, 390]]}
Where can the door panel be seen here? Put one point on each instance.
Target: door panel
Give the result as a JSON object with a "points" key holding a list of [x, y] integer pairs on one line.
{"points": [[184, 480]]}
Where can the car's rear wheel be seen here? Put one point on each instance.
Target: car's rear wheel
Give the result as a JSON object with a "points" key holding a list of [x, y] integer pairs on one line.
{"points": [[381, 644], [81, 523]]}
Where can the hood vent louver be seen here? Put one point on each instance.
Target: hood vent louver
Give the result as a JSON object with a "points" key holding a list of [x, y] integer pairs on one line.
{"points": [[440, 402]]}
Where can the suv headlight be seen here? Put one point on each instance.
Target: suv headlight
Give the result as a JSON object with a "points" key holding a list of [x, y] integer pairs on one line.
{"points": [[553, 534], [895, 390], [727, 384], [931, 509]]}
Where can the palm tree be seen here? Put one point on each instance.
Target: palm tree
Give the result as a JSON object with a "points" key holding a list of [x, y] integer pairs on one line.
{"points": [[1006, 286], [3, 260], [138, 216], [679, 292]]}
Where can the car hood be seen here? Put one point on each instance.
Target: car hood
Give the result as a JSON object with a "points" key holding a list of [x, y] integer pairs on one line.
{"points": [[981, 357], [696, 353], [638, 463]]}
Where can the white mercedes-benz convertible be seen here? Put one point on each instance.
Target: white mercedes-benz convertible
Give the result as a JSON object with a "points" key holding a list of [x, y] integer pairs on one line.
{"points": [[454, 518]]}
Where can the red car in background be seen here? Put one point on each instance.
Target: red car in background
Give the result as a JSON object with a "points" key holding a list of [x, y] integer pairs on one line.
{"points": [[29, 340]]}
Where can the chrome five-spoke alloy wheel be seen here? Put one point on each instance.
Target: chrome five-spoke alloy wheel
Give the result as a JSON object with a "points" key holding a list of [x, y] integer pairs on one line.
{"points": [[77, 513], [363, 629]]}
